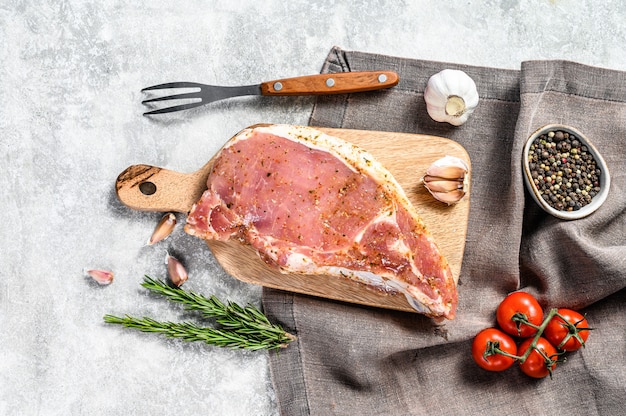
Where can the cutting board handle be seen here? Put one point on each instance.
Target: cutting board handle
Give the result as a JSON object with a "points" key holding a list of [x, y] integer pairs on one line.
{"points": [[150, 188]]}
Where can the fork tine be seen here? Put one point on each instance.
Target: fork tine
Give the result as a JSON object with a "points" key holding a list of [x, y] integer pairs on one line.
{"points": [[174, 108], [173, 85], [173, 97]]}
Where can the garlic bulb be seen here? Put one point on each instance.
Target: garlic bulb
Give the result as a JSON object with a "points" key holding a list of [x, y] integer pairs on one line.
{"points": [[447, 179], [451, 96]]}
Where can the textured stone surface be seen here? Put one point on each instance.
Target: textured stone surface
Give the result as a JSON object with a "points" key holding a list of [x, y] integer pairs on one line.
{"points": [[70, 121]]}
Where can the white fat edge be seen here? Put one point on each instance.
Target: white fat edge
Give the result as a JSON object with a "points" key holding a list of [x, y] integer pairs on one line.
{"points": [[369, 278], [266, 241], [418, 301], [240, 136], [299, 263]]}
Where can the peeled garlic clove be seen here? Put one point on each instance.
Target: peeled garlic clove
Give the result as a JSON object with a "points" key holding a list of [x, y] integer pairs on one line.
{"points": [[447, 179], [103, 277], [176, 270], [163, 229]]}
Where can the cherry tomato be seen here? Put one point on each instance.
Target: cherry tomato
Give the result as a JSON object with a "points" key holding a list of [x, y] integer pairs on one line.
{"points": [[485, 349], [536, 365], [569, 334], [516, 308]]}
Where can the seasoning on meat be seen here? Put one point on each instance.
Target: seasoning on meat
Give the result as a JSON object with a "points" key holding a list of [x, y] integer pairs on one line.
{"points": [[312, 203]]}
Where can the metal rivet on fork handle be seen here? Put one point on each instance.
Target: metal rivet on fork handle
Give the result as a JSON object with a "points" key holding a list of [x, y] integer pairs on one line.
{"points": [[382, 78], [330, 82], [278, 86]]}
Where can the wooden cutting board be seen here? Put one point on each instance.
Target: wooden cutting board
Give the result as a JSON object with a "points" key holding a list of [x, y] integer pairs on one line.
{"points": [[406, 156]]}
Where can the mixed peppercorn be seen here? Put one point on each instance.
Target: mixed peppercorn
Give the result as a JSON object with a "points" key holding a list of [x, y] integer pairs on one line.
{"points": [[563, 170]]}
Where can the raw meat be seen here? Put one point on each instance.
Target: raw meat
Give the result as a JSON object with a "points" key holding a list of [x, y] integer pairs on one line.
{"points": [[315, 204]]}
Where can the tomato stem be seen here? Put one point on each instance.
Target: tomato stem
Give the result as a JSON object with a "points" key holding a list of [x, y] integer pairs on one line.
{"points": [[548, 360], [493, 347], [540, 329], [572, 331], [520, 318]]}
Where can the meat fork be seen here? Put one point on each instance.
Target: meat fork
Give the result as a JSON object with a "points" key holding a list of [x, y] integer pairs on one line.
{"points": [[320, 84]]}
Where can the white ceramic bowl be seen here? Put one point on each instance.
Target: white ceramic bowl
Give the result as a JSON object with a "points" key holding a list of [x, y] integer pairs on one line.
{"points": [[605, 177]]}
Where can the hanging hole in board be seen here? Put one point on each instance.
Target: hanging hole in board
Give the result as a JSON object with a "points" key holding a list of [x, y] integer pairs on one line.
{"points": [[147, 188]]}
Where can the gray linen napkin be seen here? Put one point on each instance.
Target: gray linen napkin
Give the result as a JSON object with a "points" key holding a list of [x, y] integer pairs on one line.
{"points": [[355, 360]]}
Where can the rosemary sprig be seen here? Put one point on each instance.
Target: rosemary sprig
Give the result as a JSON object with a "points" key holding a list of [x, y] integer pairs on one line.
{"points": [[248, 320], [190, 332], [240, 327]]}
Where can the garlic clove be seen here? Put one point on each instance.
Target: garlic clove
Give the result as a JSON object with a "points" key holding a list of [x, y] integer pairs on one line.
{"points": [[449, 198], [446, 171], [443, 185], [103, 277], [163, 229], [176, 270], [447, 179], [448, 167]]}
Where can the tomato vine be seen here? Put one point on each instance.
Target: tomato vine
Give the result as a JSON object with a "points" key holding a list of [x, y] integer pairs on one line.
{"points": [[544, 339]]}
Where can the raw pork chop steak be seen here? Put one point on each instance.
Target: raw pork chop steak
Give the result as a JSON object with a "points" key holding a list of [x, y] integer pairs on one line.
{"points": [[312, 203]]}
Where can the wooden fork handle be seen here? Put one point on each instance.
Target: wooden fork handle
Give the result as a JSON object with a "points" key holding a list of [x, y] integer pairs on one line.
{"points": [[150, 188], [337, 83]]}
